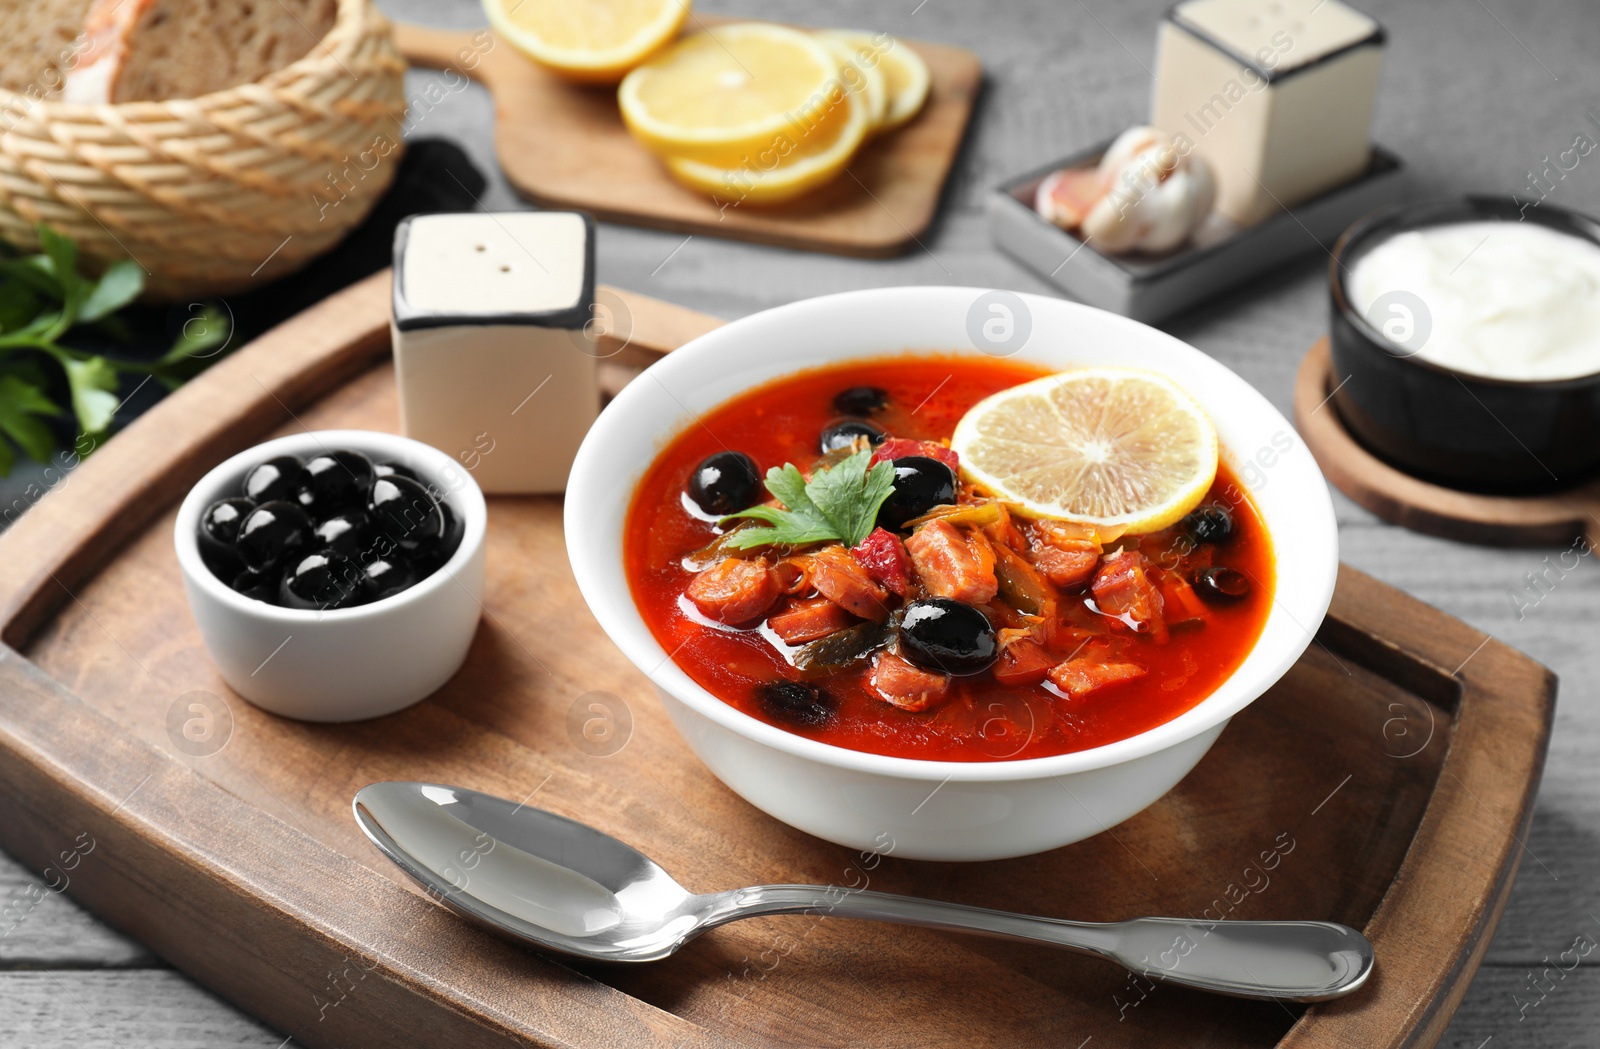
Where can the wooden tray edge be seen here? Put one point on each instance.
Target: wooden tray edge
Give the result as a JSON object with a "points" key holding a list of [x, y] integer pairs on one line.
{"points": [[1504, 711]]}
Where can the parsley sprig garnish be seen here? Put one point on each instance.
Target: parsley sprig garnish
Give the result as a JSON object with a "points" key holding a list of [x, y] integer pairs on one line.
{"points": [[46, 306], [840, 503]]}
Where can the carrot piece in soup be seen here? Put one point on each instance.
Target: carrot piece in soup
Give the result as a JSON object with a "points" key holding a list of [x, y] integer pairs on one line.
{"points": [[1180, 604]]}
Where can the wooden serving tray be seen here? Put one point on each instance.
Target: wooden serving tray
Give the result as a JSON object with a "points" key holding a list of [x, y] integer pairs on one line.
{"points": [[565, 146], [1386, 782]]}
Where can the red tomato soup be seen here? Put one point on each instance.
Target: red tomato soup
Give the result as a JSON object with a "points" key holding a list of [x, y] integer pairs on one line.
{"points": [[1091, 639]]}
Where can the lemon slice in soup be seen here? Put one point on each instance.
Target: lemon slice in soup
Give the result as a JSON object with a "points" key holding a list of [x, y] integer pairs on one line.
{"points": [[1111, 447]]}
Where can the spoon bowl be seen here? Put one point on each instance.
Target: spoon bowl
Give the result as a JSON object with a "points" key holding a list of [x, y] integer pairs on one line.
{"points": [[541, 877], [567, 887]]}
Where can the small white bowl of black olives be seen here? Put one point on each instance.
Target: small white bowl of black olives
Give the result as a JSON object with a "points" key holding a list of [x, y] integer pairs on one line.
{"points": [[335, 575]]}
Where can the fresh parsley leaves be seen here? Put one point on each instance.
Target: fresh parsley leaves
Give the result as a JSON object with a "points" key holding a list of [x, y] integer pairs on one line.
{"points": [[43, 299], [840, 503]]}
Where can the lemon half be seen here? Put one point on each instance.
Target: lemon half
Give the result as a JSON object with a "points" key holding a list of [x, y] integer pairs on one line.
{"points": [[1110, 447]]}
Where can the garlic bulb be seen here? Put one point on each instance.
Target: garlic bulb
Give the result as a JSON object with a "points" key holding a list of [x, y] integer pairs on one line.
{"points": [[1147, 194]]}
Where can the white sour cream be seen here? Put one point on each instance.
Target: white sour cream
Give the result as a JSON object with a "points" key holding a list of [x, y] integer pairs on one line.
{"points": [[1505, 300]]}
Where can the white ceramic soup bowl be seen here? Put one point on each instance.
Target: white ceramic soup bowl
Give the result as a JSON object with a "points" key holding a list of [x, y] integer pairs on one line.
{"points": [[348, 663], [934, 809]]}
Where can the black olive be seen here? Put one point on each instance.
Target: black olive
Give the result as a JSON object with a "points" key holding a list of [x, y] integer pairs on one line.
{"points": [[391, 469], [220, 522], [410, 516], [337, 481], [219, 527], [350, 533], [277, 478], [387, 576], [1220, 584], [843, 433], [796, 702], [1208, 524], [861, 401], [323, 580], [428, 561], [920, 484], [271, 533], [450, 539], [224, 563], [725, 483], [262, 586], [947, 637]]}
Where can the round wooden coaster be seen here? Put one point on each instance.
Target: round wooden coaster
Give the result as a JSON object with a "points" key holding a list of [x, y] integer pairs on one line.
{"points": [[1422, 506]]}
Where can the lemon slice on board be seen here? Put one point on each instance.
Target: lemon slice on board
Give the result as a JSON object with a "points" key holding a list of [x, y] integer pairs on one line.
{"points": [[730, 92], [1111, 447], [592, 41], [904, 72], [861, 76], [774, 176]]}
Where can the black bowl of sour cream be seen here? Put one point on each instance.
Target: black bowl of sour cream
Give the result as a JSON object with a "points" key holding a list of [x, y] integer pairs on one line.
{"points": [[1466, 341]]}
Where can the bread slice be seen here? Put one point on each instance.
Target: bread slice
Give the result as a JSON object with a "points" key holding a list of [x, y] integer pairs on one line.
{"points": [[151, 50], [40, 42]]}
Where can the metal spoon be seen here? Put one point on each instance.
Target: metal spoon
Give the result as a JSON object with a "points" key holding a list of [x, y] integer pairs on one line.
{"points": [[567, 887]]}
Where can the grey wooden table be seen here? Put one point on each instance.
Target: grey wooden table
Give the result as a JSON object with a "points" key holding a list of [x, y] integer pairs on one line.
{"points": [[1475, 95]]}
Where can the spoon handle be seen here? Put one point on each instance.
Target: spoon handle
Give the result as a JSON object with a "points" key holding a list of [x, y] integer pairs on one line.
{"points": [[1300, 961]]}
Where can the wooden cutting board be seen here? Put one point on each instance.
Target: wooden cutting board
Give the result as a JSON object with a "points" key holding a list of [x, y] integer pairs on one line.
{"points": [[1386, 782], [564, 146]]}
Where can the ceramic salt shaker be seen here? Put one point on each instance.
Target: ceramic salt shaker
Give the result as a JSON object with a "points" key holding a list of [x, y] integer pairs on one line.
{"points": [[1276, 95], [495, 362]]}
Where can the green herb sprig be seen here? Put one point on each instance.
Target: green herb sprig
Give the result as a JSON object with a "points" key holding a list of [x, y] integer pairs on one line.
{"points": [[43, 298], [840, 503]]}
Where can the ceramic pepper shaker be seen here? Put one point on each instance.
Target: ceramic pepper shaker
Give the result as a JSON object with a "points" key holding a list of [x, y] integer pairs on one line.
{"points": [[494, 361]]}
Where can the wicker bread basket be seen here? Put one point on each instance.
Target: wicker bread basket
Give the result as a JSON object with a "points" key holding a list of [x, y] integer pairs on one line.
{"points": [[217, 193]]}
